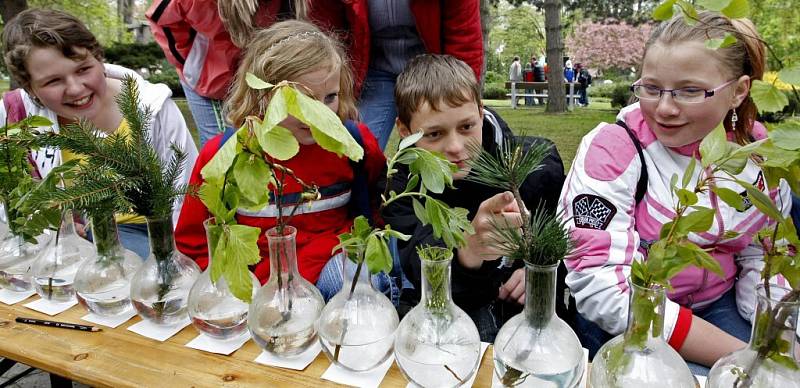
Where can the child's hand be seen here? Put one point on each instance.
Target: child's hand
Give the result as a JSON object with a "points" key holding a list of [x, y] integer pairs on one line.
{"points": [[500, 209], [513, 290]]}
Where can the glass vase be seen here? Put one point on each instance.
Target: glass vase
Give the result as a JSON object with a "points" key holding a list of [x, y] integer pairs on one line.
{"points": [[103, 283], [769, 359], [285, 310], [57, 265], [17, 257], [535, 348], [640, 357], [357, 326], [213, 309], [160, 287], [437, 344]]}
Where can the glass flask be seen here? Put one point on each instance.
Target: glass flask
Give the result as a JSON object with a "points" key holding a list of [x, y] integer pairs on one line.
{"points": [[535, 348], [640, 357], [57, 265], [357, 326], [213, 309], [285, 310], [160, 288], [103, 282], [17, 257], [437, 344], [769, 359]]}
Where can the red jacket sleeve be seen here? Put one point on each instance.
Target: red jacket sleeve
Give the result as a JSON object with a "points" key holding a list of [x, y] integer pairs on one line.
{"points": [[461, 33], [171, 31], [190, 234]]}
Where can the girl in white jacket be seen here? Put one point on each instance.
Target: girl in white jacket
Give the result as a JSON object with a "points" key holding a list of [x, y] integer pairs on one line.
{"points": [[59, 66], [685, 91]]}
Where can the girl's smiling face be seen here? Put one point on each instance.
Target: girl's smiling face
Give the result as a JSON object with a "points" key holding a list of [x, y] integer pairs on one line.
{"points": [[70, 88], [688, 65]]}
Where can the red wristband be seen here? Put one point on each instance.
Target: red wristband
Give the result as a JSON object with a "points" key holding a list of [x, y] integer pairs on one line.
{"points": [[681, 330]]}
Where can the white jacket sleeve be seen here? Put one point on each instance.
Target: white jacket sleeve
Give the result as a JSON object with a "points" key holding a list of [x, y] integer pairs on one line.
{"points": [[170, 128], [751, 261], [600, 208]]}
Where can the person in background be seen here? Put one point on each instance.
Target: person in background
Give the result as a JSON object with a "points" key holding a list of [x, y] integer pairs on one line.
{"points": [[204, 41], [383, 35], [584, 79]]}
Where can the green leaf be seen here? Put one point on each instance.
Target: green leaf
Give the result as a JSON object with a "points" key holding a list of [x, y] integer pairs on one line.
{"points": [[222, 160], [277, 111], [735, 162], [688, 173], [686, 197], [326, 127], [767, 97], [410, 140], [732, 198], [727, 41], [256, 83], [219, 242], [412, 183], [434, 170], [37, 121], [790, 75], [280, 143], [664, 10], [704, 260], [419, 211], [713, 5], [241, 251], [714, 146], [252, 177], [761, 201], [737, 9], [786, 135], [699, 220], [210, 194], [377, 255], [689, 12], [786, 361]]}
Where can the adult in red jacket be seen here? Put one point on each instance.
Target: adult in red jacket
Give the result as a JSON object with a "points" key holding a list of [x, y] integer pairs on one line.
{"points": [[197, 42], [382, 35]]}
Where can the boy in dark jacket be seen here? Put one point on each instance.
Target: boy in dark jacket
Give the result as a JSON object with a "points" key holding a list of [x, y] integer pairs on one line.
{"points": [[439, 95]]}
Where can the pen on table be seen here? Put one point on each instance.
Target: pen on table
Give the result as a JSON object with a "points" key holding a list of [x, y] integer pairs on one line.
{"points": [[63, 325]]}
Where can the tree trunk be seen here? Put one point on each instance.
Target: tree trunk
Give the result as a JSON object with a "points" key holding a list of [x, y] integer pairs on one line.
{"points": [[11, 8], [557, 98], [486, 27]]}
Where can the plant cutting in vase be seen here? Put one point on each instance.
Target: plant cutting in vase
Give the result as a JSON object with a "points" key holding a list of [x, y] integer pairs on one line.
{"points": [[356, 310], [136, 173], [241, 176], [26, 221], [535, 346]]}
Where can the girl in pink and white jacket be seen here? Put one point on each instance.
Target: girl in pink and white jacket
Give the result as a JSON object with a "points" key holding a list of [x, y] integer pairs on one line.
{"points": [[685, 91]]}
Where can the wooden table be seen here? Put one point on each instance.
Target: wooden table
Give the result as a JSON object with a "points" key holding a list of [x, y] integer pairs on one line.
{"points": [[121, 358]]}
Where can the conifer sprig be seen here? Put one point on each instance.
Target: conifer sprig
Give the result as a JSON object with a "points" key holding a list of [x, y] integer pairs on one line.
{"points": [[131, 172]]}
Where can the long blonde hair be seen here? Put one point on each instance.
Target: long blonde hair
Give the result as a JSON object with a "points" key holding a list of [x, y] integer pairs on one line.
{"points": [[285, 51], [238, 17], [745, 57]]}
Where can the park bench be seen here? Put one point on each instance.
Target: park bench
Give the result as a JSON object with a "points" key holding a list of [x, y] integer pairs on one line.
{"points": [[518, 89]]}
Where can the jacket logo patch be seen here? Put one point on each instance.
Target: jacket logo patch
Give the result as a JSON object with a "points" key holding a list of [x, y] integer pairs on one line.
{"points": [[760, 185], [592, 212]]}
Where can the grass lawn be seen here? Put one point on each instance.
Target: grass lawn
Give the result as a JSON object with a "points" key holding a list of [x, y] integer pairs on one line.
{"points": [[564, 129]]}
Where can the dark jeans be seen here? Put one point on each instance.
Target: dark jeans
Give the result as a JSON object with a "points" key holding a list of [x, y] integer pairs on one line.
{"points": [[722, 314]]}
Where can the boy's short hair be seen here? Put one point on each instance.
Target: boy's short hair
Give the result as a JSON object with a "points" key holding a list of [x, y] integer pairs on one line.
{"points": [[41, 28], [434, 78]]}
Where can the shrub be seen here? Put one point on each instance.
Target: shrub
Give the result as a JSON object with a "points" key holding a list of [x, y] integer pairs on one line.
{"points": [[620, 95], [793, 109], [493, 77], [494, 91], [168, 76]]}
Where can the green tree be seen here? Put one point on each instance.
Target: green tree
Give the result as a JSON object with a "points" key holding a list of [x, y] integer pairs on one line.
{"points": [[519, 30], [100, 17], [778, 22]]}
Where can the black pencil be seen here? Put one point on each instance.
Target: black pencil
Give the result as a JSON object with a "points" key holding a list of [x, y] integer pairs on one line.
{"points": [[63, 325]]}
